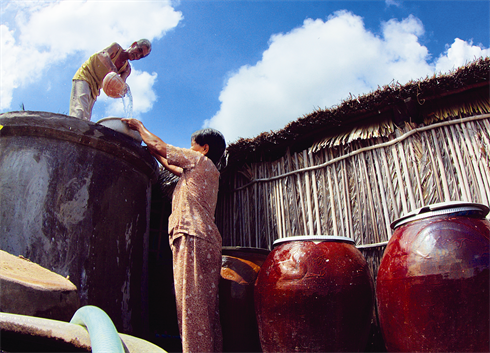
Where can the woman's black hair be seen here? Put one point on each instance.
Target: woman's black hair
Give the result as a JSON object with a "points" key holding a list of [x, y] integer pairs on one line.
{"points": [[214, 139]]}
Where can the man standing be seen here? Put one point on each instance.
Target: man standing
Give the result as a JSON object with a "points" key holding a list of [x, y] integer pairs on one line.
{"points": [[88, 79]]}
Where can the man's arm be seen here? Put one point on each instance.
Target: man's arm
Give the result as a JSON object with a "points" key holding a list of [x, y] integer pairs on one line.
{"points": [[126, 72], [106, 54]]}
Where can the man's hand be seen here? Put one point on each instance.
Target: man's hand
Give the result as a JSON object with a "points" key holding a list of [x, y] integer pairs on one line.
{"points": [[124, 90]]}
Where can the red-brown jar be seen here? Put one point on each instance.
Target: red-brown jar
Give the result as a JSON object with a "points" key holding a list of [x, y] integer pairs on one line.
{"points": [[433, 282], [314, 294], [239, 269]]}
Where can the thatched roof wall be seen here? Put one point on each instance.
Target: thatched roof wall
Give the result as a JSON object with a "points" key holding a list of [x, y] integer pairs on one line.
{"points": [[367, 116], [387, 105]]}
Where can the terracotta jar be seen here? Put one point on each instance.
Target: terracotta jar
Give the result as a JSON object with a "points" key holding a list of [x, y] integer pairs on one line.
{"points": [[433, 282], [314, 294], [239, 269]]}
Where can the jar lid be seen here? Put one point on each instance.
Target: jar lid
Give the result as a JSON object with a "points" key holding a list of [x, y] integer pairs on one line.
{"points": [[443, 208], [314, 238]]}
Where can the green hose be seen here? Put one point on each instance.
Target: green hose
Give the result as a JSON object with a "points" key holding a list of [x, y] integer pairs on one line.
{"points": [[103, 334]]}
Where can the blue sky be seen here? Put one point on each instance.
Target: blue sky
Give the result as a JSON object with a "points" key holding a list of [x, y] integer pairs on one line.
{"points": [[242, 67]]}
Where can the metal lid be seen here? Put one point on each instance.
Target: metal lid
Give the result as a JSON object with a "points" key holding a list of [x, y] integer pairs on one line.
{"points": [[443, 208], [314, 238]]}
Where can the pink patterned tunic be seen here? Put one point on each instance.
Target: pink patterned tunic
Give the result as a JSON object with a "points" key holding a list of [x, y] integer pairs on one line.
{"points": [[196, 248]]}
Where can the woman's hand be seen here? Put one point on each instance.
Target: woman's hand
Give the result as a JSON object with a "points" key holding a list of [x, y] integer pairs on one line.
{"points": [[153, 142], [133, 124]]}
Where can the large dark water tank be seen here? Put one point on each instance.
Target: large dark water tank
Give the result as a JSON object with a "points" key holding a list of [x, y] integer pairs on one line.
{"points": [[75, 198]]}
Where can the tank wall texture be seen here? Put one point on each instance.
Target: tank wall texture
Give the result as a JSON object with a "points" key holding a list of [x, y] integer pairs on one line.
{"points": [[75, 198]]}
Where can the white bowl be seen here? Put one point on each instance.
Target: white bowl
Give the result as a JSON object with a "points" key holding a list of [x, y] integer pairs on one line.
{"points": [[120, 126]]}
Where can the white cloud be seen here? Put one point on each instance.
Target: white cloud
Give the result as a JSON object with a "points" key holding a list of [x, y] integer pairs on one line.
{"points": [[19, 65], [48, 32], [459, 54], [318, 65], [396, 3]]}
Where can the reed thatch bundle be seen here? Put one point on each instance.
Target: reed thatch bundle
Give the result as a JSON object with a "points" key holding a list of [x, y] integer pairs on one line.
{"points": [[341, 191]]}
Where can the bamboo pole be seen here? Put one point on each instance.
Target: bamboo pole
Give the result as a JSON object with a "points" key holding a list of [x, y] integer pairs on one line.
{"points": [[277, 207], [457, 166], [330, 222], [308, 196], [462, 162], [315, 196], [282, 199], [259, 209], [476, 168], [474, 184], [378, 204], [337, 192], [346, 203], [293, 209], [406, 171], [450, 170], [400, 180], [332, 199], [416, 172], [482, 153], [390, 185], [268, 210], [298, 177], [445, 187], [382, 194], [432, 158], [358, 198], [370, 226]]}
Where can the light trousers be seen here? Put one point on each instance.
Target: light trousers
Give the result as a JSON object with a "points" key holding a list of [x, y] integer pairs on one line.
{"points": [[197, 267], [81, 101]]}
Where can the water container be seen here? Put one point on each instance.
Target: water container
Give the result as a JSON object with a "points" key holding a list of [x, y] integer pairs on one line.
{"points": [[314, 294], [239, 270], [433, 281], [75, 198]]}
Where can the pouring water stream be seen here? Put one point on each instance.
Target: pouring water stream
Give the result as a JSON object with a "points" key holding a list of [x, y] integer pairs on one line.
{"points": [[128, 103]]}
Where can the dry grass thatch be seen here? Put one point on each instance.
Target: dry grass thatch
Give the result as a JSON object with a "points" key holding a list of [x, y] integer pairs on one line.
{"points": [[371, 114]]}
